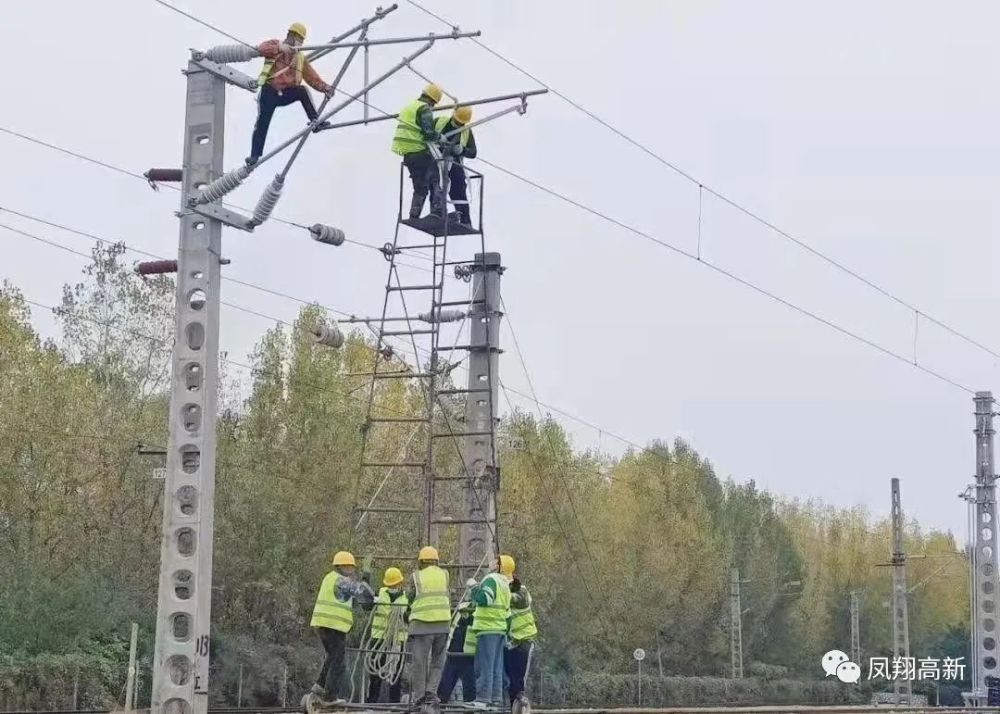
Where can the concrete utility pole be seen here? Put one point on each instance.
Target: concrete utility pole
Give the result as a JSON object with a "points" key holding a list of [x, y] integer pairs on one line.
{"points": [[478, 534], [180, 662], [984, 583], [735, 625], [130, 676], [855, 630], [901, 687]]}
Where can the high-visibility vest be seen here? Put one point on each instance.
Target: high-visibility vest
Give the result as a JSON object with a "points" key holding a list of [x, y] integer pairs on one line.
{"points": [[383, 608], [431, 603], [265, 72], [463, 138], [493, 618], [470, 641], [522, 623], [409, 139], [329, 611]]}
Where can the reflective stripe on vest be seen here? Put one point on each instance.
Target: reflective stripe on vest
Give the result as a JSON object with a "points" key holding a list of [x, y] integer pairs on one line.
{"points": [[409, 139], [265, 72], [493, 618], [463, 138], [431, 603], [522, 623], [384, 606], [470, 642], [329, 611]]}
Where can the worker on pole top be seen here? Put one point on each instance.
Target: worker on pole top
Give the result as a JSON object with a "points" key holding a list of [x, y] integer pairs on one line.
{"points": [[462, 144], [491, 623], [523, 633], [390, 596], [280, 83], [414, 132], [333, 618], [429, 619]]}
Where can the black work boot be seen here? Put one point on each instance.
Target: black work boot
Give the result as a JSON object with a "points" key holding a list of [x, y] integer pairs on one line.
{"points": [[417, 205]]}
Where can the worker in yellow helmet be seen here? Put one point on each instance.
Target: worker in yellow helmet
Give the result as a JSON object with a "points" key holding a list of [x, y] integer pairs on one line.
{"points": [[390, 599], [458, 146], [333, 618], [522, 635], [429, 617], [280, 83], [491, 622], [415, 131]]}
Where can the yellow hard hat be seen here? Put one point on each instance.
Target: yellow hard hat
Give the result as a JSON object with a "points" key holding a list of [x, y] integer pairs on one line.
{"points": [[462, 115], [392, 577], [343, 558], [506, 565], [434, 92], [428, 552], [299, 29]]}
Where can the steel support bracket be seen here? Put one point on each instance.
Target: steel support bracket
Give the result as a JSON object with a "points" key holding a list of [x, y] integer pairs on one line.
{"points": [[230, 218], [227, 73]]}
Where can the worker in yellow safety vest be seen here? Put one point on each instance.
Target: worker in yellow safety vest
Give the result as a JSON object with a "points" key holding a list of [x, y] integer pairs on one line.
{"points": [[391, 598], [523, 632], [491, 623], [460, 662], [414, 131], [429, 617], [280, 82], [458, 146], [333, 617]]}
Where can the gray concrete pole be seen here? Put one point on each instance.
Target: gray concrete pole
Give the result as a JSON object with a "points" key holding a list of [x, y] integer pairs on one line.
{"points": [[183, 645], [855, 630], [735, 625], [130, 676], [478, 537], [985, 584], [901, 687]]}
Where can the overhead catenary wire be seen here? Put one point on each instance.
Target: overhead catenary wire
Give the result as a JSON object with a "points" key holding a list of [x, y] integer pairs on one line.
{"points": [[702, 187]]}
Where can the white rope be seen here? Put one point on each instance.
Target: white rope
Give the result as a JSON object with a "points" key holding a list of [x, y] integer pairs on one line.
{"points": [[385, 656]]}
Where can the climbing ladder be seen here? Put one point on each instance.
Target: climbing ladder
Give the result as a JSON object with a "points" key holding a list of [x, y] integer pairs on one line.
{"points": [[417, 453]]}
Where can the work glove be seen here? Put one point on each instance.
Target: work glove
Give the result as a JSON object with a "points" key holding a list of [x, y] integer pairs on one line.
{"points": [[515, 585], [508, 644], [456, 149], [471, 583]]}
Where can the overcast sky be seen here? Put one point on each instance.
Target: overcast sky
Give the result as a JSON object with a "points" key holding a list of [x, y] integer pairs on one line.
{"points": [[867, 130]]}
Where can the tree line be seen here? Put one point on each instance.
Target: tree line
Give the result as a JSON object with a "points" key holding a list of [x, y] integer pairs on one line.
{"points": [[619, 552]]}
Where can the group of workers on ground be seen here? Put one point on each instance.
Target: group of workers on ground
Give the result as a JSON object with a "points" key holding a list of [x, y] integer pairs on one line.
{"points": [[417, 129], [489, 637]]}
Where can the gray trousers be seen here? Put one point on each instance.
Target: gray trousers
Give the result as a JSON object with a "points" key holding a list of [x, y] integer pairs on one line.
{"points": [[427, 655]]}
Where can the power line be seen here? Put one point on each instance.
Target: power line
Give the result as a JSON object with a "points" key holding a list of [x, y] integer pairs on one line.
{"points": [[702, 187]]}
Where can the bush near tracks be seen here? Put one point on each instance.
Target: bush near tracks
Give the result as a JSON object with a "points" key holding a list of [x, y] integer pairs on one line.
{"points": [[46, 681], [601, 690]]}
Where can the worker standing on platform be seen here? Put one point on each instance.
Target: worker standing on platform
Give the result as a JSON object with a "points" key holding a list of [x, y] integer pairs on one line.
{"points": [[458, 146], [460, 662], [390, 597], [429, 616], [414, 131], [333, 617], [491, 622], [280, 83], [523, 632]]}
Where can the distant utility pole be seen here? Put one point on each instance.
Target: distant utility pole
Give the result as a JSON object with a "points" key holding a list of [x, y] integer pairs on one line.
{"points": [[735, 625], [901, 686], [130, 676], [855, 630], [984, 583]]}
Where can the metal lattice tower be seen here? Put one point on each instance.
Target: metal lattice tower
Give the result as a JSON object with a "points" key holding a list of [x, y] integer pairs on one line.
{"points": [[735, 625], [901, 686], [983, 561], [855, 630], [456, 425]]}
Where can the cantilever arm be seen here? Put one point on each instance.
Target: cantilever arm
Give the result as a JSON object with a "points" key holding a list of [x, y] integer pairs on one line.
{"points": [[392, 41]]}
